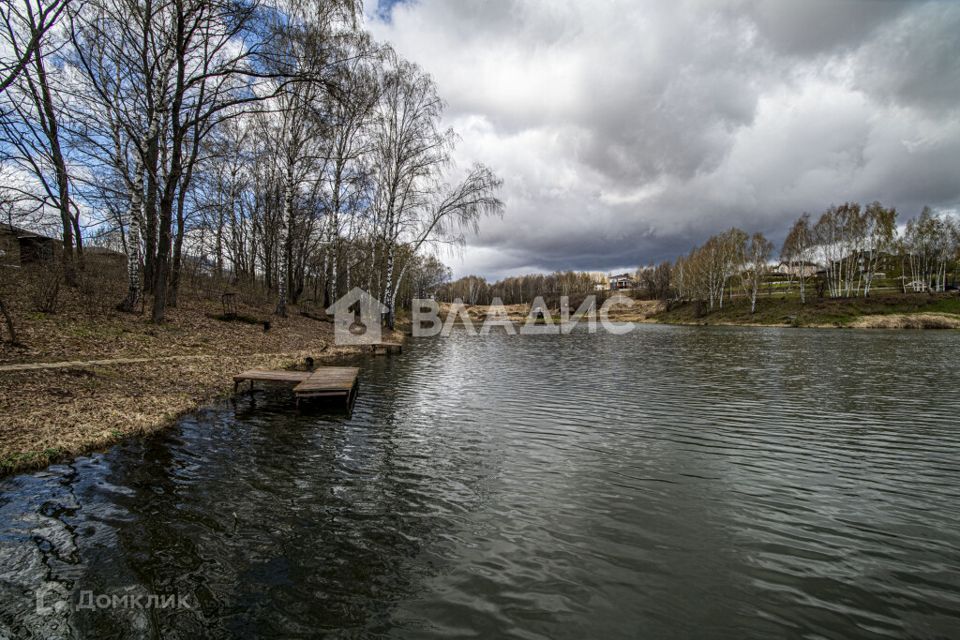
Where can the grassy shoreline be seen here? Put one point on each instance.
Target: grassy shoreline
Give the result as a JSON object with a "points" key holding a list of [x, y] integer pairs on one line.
{"points": [[889, 311], [902, 311], [161, 372], [49, 415]]}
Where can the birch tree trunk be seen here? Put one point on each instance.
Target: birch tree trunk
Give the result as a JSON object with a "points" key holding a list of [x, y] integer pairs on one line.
{"points": [[285, 232], [134, 256], [388, 286]]}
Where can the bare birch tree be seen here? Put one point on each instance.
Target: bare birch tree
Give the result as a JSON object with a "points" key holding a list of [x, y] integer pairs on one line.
{"points": [[797, 251], [929, 243], [757, 255], [880, 233]]}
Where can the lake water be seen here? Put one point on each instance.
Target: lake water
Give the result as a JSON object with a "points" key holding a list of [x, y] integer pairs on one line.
{"points": [[670, 483]]}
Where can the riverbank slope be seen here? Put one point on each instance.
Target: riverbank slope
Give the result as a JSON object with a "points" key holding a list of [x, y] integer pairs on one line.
{"points": [[889, 311], [86, 377]]}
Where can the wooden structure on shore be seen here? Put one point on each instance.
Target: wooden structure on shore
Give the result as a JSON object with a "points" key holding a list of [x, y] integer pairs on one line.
{"points": [[323, 382]]}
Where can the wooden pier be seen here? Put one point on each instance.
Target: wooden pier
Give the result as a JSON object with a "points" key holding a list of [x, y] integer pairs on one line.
{"points": [[323, 382]]}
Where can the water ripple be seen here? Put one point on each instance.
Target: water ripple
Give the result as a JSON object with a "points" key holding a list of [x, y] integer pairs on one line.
{"points": [[672, 482]]}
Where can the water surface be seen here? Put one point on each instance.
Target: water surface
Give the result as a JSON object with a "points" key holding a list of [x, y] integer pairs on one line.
{"points": [[674, 482]]}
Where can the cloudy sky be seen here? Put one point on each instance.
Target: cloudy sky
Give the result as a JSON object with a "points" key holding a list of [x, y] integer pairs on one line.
{"points": [[628, 131]]}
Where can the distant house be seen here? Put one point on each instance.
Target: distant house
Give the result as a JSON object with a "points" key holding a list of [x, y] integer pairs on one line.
{"points": [[621, 282], [860, 262], [20, 246], [9, 246], [599, 279], [803, 269], [881, 260], [916, 286]]}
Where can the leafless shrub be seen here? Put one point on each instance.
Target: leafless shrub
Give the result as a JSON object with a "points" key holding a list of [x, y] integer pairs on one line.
{"points": [[251, 295], [44, 283], [8, 323], [100, 285]]}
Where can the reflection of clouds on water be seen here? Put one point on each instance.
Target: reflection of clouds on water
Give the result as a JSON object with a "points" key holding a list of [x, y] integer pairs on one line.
{"points": [[672, 479], [39, 554]]}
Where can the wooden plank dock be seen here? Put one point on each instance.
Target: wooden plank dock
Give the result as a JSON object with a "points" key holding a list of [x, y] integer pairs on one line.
{"points": [[328, 381], [267, 375], [323, 382]]}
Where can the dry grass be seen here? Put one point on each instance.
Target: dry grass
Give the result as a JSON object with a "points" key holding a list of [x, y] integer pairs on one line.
{"points": [[49, 414], [478, 312], [78, 332], [904, 311], [641, 311], [907, 321]]}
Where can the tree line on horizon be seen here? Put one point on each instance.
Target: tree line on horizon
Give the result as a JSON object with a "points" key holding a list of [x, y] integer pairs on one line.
{"points": [[841, 253], [265, 144], [475, 290]]}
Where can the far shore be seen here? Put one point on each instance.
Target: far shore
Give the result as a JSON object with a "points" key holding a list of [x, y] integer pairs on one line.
{"points": [[888, 311], [108, 377]]}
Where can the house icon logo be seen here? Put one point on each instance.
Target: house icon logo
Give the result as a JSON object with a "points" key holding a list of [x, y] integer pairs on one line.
{"points": [[52, 598], [356, 318]]}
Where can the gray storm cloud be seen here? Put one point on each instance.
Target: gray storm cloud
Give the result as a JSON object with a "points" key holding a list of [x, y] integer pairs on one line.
{"points": [[626, 132]]}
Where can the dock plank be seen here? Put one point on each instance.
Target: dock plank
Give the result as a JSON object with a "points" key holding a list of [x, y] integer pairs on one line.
{"points": [[328, 381], [267, 375], [323, 382]]}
